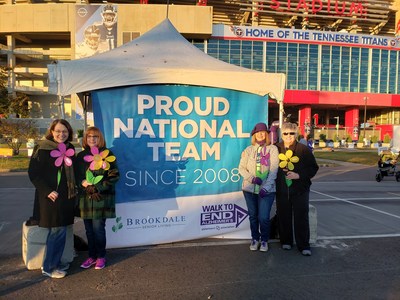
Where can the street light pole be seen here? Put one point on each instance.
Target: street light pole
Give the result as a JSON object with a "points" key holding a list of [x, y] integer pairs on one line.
{"points": [[337, 127], [365, 115]]}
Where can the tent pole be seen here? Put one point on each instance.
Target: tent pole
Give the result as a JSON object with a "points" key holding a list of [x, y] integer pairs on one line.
{"points": [[85, 105], [281, 109], [61, 106]]}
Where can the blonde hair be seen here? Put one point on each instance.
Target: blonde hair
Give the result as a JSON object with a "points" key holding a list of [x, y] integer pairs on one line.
{"points": [[101, 143], [267, 139]]}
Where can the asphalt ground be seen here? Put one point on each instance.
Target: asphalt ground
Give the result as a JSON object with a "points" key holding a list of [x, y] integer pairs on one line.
{"points": [[356, 255]]}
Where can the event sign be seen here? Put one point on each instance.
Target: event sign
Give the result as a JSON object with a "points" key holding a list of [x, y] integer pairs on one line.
{"points": [[305, 36], [178, 150]]}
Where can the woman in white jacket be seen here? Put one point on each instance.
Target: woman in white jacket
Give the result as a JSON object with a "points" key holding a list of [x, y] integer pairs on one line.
{"points": [[258, 167]]}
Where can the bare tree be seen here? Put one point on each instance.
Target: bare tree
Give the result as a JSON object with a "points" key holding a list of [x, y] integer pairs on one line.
{"points": [[16, 131]]}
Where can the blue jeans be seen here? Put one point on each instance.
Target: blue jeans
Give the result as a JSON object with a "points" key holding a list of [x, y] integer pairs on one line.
{"points": [[55, 245], [259, 210], [96, 236]]}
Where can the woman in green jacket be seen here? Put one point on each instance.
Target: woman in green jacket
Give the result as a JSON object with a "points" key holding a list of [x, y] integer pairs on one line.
{"points": [[96, 175]]}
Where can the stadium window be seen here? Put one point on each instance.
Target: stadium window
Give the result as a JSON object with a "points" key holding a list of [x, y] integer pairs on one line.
{"points": [[271, 60], [364, 56], [282, 58], [335, 69], [199, 44], [292, 67], [234, 53], [345, 69], [325, 68], [398, 72], [303, 72], [257, 55], [313, 59], [212, 48], [393, 65], [383, 72], [223, 50], [354, 69], [375, 70]]}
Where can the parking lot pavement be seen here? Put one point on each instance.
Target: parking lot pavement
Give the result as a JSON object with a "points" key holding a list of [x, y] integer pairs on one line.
{"points": [[338, 269], [356, 257]]}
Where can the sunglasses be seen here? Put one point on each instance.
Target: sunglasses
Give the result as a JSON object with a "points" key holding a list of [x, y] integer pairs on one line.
{"points": [[291, 133]]}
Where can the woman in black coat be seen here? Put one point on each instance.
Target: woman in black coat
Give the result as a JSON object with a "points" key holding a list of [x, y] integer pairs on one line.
{"points": [[51, 172], [296, 168]]}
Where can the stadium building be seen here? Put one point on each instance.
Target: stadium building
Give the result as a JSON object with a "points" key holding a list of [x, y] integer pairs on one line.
{"points": [[341, 57]]}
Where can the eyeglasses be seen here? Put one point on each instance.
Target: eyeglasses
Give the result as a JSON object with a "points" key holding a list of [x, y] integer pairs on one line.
{"points": [[60, 131], [291, 133], [92, 136]]}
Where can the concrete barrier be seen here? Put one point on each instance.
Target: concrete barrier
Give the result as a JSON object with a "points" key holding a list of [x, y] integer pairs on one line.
{"points": [[312, 217], [34, 246]]}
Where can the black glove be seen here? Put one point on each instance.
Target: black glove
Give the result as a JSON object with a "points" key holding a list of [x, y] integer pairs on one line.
{"points": [[91, 189], [95, 196]]}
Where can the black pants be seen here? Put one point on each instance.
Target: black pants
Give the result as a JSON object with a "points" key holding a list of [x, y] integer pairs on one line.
{"points": [[293, 214]]}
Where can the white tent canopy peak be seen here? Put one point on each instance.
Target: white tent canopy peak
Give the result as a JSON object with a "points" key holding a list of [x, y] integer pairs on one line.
{"points": [[160, 56]]}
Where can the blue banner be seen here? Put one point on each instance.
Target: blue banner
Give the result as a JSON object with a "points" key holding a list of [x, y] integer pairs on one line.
{"points": [[176, 141]]}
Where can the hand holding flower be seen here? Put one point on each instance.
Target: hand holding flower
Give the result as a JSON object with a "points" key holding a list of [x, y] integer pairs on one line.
{"points": [[292, 175], [91, 189], [287, 161]]}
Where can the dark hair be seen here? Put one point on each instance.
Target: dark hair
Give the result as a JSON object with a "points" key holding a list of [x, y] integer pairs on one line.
{"points": [[49, 134], [101, 143]]}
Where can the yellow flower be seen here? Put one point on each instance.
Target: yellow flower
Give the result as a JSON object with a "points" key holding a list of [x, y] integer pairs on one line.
{"points": [[287, 160], [99, 160]]}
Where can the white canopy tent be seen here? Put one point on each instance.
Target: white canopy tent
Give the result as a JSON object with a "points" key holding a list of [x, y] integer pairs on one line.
{"points": [[160, 56]]}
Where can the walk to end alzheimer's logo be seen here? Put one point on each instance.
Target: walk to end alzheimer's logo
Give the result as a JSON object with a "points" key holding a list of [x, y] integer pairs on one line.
{"points": [[222, 216]]}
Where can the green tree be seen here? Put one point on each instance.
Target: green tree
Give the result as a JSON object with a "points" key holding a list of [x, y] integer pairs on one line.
{"points": [[386, 138], [10, 104], [19, 105], [3, 93]]}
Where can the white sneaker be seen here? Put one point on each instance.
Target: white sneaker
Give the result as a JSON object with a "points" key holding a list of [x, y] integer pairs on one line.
{"points": [[254, 245], [306, 252], [286, 247], [264, 246], [55, 274]]}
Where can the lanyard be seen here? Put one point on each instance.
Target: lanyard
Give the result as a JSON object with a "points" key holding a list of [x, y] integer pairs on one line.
{"points": [[258, 168]]}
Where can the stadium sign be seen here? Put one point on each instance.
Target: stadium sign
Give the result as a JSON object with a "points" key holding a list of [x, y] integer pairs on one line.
{"points": [[255, 33], [333, 7]]}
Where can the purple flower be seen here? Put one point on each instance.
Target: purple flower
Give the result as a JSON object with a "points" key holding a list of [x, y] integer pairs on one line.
{"points": [[265, 158]]}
